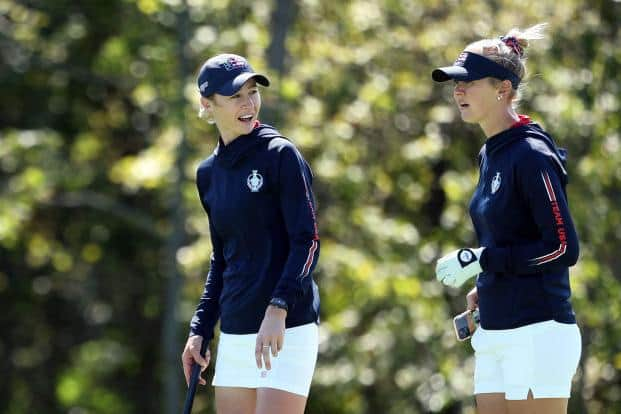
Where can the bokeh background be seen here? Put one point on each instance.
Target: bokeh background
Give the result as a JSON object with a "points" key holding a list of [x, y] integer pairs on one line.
{"points": [[104, 247]]}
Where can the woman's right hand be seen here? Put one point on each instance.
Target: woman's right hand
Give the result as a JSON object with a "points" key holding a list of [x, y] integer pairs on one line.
{"points": [[472, 299], [192, 354]]}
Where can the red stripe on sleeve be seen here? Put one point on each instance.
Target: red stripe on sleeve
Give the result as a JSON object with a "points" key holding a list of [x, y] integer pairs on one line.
{"points": [[559, 223], [549, 257], [548, 185], [309, 259]]}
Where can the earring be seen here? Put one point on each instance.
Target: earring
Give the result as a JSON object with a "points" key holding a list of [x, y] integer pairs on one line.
{"points": [[499, 97]]}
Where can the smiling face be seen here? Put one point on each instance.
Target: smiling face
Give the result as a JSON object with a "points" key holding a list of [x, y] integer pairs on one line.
{"points": [[235, 115]]}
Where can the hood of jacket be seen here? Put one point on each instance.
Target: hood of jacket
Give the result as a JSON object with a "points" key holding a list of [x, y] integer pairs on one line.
{"points": [[537, 138]]}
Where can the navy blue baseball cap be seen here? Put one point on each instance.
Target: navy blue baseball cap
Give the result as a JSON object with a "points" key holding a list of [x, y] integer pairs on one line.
{"points": [[471, 66], [225, 74]]}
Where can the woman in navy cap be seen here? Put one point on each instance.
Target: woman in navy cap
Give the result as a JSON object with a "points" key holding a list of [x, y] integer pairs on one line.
{"points": [[256, 191], [528, 345]]}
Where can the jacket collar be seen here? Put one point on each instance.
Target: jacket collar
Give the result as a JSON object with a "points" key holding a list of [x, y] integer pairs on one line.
{"points": [[516, 131], [228, 155]]}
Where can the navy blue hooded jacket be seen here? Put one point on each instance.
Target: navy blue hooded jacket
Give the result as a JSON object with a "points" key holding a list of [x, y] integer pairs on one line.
{"points": [[257, 194], [520, 214]]}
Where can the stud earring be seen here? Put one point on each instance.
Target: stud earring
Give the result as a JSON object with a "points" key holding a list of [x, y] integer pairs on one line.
{"points": [[499, 97]]}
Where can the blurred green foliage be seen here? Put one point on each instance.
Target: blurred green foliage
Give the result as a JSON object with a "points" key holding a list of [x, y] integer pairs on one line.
{"points": [[91, 127]]}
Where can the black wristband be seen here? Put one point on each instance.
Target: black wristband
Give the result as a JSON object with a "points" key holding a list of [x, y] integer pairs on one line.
{"points": [[279, 303]]}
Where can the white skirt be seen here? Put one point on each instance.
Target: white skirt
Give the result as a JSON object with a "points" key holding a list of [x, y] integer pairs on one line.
{"points": [[541, 357], [292, 370]]}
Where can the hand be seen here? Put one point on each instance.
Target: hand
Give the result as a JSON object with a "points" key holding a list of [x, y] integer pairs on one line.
{"points": [[192, 354], [458, 266], [472, 299], [271, 336]]}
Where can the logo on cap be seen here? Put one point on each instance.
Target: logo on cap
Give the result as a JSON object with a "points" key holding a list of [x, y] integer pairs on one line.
{"points": [[233, 63], [203, 86], [461, 59]]}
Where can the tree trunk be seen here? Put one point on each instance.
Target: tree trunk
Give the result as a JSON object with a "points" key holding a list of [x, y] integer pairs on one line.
{"points": [[170, 348], [284, 14]]}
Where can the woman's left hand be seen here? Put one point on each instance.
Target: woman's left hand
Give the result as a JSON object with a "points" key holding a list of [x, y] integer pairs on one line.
{"points": [[271, 336]]}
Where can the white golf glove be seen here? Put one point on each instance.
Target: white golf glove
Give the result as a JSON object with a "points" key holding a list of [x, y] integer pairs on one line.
{"points": [[458, 266]]}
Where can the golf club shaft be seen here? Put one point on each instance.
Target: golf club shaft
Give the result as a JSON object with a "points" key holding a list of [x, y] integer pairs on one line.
{"points": [[196, 370]]}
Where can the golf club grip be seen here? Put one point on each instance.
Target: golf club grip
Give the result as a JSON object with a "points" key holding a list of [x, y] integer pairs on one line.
{"points": [[196, 370]]}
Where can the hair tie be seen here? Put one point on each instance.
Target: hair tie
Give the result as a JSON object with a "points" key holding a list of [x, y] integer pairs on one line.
{"points": [[514, 44]]}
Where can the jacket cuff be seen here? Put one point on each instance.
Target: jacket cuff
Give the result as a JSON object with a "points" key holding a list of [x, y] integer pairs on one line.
{"points": [[197, 331], [493, 259], [287, 297]]}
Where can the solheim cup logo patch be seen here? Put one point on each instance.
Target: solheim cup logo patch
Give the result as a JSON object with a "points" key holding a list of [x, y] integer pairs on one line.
{"points": [[496, 182], [254, 181]]}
